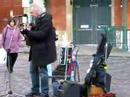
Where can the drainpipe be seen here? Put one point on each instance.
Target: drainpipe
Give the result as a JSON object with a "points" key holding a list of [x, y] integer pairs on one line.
{"points": [[125, 46]]}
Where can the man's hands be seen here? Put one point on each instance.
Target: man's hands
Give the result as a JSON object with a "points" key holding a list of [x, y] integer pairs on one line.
{"points": [[24, 31], [26, 28]]}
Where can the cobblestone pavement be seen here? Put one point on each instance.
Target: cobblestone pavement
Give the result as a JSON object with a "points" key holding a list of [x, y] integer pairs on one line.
{"points": [[119, 68]]}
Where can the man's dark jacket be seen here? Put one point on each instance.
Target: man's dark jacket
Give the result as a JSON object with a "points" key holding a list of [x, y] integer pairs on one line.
{"points": [[42, 38]]}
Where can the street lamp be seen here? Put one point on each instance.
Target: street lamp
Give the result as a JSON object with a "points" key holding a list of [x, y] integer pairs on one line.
{"points": [[125, 46]]}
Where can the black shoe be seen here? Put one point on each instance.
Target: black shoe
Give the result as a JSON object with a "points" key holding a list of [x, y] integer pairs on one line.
{"points": [[43, 95], [47, 96], [11, 71], [31, 94]]}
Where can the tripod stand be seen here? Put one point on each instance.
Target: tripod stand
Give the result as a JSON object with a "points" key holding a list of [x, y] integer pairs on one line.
{"points": [[10, 92]]}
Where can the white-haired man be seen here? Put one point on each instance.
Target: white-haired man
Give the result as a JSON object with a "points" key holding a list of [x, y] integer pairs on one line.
{"points": [[43, 50]]}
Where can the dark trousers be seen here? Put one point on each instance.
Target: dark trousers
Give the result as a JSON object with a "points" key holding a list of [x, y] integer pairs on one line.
{"points": [[11, 59]]}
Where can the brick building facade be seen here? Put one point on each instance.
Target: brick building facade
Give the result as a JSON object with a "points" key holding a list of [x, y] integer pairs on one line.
{"points": [[7, 8], [118, 13], [58, 11], [61, 12]]}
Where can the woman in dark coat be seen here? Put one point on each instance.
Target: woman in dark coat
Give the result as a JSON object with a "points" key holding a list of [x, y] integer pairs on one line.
{"points": [[43, 50]]}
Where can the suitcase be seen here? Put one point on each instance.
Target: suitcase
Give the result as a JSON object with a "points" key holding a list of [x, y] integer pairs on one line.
{"points": [[68, 89], [103, 80]]}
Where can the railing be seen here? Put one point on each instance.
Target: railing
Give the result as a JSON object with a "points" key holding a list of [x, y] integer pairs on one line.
{"points": [[115, 36]]}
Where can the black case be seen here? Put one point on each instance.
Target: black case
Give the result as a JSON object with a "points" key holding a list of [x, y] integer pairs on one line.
{"points": [[70, 89]]}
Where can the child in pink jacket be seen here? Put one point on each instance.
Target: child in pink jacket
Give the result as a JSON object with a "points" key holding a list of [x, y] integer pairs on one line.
{"points": [[11, 40]]}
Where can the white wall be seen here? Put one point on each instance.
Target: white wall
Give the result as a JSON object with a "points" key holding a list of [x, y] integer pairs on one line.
{"points": [[25, 3], [39, 2]]}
